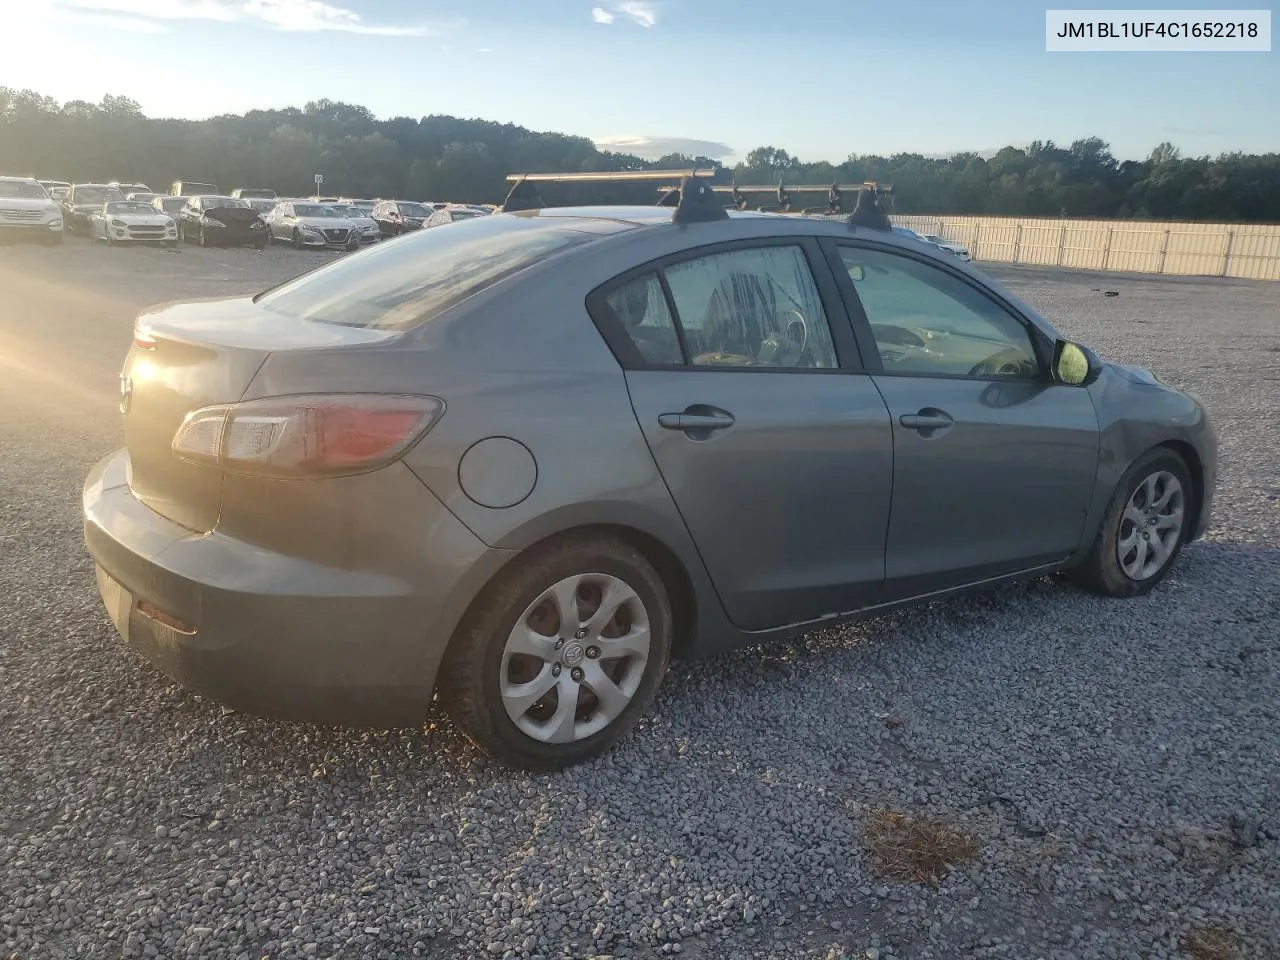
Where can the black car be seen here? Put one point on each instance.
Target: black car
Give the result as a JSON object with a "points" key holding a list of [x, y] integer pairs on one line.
{"points": [[222, 222], [395, 217], [82, 201]]}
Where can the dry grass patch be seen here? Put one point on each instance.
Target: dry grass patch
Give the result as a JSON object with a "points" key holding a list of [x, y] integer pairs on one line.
{"points": [[1211, 943], [914, 849]]}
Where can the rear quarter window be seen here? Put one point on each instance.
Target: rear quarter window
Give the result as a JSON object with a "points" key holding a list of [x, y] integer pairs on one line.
{"points": [[404, 283]]}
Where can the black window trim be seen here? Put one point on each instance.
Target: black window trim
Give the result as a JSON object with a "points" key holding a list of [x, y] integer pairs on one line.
{"points": [[847, 349], [857, 314]]}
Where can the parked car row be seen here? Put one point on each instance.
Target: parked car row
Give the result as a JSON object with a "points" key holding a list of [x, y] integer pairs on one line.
{"points": [[197, 212]]}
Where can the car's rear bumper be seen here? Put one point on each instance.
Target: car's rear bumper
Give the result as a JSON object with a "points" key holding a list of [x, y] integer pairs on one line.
{"points": [[274, 634]]}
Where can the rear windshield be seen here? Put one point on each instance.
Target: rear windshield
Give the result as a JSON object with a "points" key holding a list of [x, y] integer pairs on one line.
{"points": [[97, 195], [407, 281], [414, 210]]}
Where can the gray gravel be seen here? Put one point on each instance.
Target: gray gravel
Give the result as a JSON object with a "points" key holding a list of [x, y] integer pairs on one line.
{"points": [[1136, 742]]}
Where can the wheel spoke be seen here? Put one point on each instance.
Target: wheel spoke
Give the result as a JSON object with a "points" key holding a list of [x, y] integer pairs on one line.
{"points": [[560, 726], [1171, 489], [1148, 489], [1134, 515], [612, 596], [1169, 521], [1159, 551], [530, 643], [520, 697], [612, 700], [634, 643], [565, 596], [1140, 555], [1126, 545]]}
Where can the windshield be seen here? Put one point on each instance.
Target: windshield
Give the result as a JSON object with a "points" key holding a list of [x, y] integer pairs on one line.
{"points": [[314, 210], [21, 190], [262, 206], [257, 194], [399, 285], [96, 195], [414, 210], [209, 202], [464, 214], [173, 204], [349, 211], [130, 206]]}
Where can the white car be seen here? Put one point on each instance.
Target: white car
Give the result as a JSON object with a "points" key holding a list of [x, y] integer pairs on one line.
{"points": [[365, 224], [453, 212], [954, 248], [27, 210], [126, 221], [305, 223]]}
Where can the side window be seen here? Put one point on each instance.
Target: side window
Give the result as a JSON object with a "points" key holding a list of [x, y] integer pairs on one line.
{"points": [[642, 313], [926, 321], [757, 307]]}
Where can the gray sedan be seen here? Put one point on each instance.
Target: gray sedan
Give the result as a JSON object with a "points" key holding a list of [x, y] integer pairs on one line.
{"points": [[525, 461]]}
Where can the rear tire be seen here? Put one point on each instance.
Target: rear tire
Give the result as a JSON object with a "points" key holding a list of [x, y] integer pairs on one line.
{"points": [[1112, 567], [482, 673], [297, 240], [204, 238]]}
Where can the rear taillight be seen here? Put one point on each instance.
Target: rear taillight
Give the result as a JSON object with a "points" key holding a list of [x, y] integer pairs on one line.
{"points": [[306, 436], [142, 338]]}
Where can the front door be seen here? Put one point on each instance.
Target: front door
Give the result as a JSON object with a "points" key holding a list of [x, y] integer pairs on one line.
{"points": [[994, 464], [779, 460]]}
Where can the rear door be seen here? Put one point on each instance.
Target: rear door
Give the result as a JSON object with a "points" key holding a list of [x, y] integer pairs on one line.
{"points": [[775, 446], [994, 463]]}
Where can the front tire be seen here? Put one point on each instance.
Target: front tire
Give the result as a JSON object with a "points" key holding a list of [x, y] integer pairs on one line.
{"points": [[1145, 526], [561, 655], [204, 238]]}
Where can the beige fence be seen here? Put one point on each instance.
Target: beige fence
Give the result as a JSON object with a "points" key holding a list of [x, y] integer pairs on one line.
{"points": [[1249, 251]]}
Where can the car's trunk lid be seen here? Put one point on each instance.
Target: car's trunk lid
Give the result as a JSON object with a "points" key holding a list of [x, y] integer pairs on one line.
{"points": [[194, 355]]}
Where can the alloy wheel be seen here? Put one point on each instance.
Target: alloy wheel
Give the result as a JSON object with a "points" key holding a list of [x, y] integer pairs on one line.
{"points": [[1151, 525], [575, 658]]}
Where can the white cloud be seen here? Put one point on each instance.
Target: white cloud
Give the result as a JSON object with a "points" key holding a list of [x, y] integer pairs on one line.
{"points": [[637, 11], [289, 15], [642, 13], [654, 147]]}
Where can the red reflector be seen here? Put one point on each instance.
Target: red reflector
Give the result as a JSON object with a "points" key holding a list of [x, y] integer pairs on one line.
{"points": [[143, 340], [152, 612]]}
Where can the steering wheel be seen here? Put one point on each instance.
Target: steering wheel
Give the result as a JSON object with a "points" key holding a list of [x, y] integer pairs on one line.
{"points": [[796, 327], [1007, 363]]}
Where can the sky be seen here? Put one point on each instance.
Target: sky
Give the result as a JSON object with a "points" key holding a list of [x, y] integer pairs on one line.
{"points": [[819, 78]]}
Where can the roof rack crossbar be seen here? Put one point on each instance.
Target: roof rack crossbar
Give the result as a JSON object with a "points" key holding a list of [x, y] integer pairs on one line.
{"points": [[615, 176], [693, 199]]}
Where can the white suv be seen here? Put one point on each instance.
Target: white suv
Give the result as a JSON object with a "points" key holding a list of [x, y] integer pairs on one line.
{"points": [[27, 211]]}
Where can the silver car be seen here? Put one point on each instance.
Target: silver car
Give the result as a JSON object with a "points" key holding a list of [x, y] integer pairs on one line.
{"points": [[524, 461], [309, 224]]}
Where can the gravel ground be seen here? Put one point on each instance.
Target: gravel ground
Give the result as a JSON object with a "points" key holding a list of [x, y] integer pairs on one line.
{"points": [[1134, 743]]}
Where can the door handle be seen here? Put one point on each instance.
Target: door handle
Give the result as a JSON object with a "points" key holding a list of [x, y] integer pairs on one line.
{"points": [[927, 420], [695, 421]]}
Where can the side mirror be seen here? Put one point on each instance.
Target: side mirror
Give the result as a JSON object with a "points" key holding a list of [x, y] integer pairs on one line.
{"points": [[856, 273], [1071, 364]]}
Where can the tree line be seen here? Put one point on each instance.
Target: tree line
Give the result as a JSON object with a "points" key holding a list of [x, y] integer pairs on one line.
{"points": [[463, 160]]}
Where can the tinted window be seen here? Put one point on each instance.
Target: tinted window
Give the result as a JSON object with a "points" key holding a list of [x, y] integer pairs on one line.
{"points": [[641, 311], [399, 285], [753, 308], [927, 321]]}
